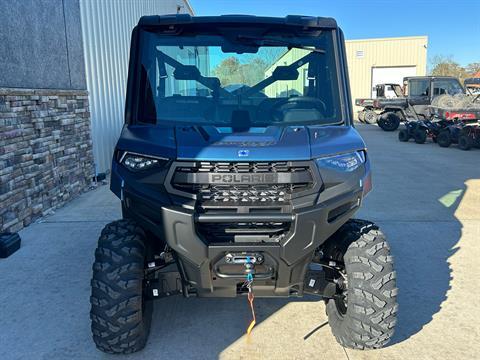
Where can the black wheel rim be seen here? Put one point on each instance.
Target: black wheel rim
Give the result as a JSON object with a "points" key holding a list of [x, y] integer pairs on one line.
{"points": [[390, 122], [341, 302], [146, 296], [341, 296]]}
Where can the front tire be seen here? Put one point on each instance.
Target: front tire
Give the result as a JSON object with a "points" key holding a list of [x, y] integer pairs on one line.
{"points": [[420, 136], [120, 314], [444, 139], [367, 317], [389, 121], [465, 142], [403, 135]]}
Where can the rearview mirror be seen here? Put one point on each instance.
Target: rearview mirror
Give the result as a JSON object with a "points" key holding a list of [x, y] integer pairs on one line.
{"points": [[285, 73], [186, 72], [239, 48]]}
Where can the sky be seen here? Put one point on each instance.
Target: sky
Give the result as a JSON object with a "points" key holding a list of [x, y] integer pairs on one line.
{"points": [[452, 26]]}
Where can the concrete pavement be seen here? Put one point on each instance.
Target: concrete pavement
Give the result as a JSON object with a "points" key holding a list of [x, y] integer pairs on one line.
{"points": [[426, 199]]}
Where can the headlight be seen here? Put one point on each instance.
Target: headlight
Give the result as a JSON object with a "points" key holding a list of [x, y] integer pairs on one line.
{"points": [[136, 162], [344, 162]]}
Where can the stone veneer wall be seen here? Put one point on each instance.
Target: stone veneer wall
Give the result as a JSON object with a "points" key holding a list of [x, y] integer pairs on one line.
{"points": [[45, 152]]}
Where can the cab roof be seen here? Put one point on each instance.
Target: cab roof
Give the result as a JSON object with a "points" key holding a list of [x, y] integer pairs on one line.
{"points": [[232, 20], [428, 77]]}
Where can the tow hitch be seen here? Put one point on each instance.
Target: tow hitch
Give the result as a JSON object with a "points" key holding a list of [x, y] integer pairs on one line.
{"points": [[244, 258]]}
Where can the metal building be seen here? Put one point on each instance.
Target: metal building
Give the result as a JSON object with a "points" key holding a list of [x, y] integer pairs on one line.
{"points": [[370, 62], [106, 31], [386, 60]]}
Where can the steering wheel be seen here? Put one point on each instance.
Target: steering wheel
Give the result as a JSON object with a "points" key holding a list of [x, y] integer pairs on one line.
{"points": [[277, 109]]}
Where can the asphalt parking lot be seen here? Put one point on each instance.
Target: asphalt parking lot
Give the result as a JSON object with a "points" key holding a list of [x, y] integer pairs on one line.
{"points": [[426, 199]]}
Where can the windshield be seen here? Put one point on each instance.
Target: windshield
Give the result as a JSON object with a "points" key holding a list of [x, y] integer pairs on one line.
{"points": [[447, 86], [244, 81], [398, 90]]}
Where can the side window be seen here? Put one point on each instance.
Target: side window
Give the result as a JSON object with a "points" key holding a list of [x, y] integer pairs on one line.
{"points": [[450, 87], [420, 87], [380, 91]]}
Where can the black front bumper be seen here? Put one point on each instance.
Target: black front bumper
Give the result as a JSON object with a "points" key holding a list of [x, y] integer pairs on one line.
{"points": [[184, 222], [284, 263]]}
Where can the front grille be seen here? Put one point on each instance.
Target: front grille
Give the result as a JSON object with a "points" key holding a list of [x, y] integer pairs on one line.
{"points": [[231, 188], [243, 183], [264, 194]]}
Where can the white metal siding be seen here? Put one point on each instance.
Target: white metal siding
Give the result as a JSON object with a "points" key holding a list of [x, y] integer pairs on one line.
{"points": [[391, 74], [106, 29]]}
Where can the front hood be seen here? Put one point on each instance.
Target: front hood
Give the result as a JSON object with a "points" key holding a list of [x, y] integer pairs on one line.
{"points": [[211, 143], [330, 140]]}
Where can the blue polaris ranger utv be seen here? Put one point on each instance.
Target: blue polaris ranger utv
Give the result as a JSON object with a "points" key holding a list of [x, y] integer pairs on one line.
{"points": [[239, 171]]}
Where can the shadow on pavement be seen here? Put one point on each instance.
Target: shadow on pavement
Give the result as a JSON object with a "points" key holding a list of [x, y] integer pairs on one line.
{"points": [[212, 324], [418, 189]]}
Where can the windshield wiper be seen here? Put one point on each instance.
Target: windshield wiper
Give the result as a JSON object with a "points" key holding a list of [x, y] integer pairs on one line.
{"points": [[259, 41]]}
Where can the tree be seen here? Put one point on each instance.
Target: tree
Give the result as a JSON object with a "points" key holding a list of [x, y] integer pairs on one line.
{"points": [[254, 71], [445, 66], [228, 71], [473, 68], [232, 71]]}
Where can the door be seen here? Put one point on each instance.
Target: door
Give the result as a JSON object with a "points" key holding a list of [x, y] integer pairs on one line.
{"points": [[419, 92], [390, 74]]}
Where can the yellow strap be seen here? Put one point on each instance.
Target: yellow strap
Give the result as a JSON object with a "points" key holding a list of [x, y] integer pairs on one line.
{"points": [[252, 324], [250, 327]]}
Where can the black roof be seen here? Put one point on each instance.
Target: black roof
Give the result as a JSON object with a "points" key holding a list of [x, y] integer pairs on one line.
{"points": [[428, 77], [472, 81], [388, 84], [289, 20]]}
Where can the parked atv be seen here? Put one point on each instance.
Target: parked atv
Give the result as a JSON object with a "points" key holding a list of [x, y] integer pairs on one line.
{"points": [[465, 134], [414, 129], [421, 130], [469, 137], [246, 193]]}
